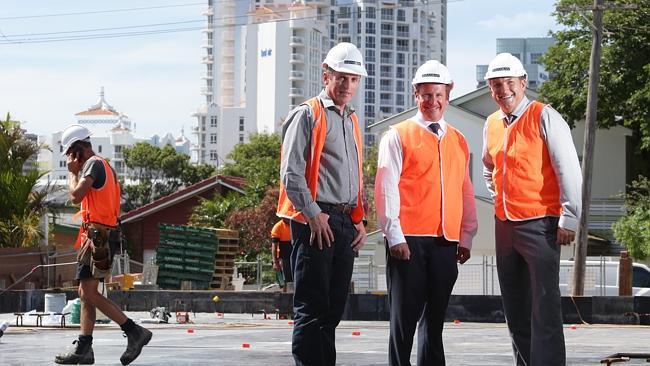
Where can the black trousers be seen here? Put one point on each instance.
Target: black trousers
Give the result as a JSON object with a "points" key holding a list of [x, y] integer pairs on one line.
{"points": [[321, 286], [528, 263], [419, 289], [285, 255]]}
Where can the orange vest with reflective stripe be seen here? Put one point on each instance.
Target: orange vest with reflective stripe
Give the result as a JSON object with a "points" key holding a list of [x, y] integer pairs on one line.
{"points": [[319, 132], [281, 231], [524, 180], [431, 182], [101, 205]]}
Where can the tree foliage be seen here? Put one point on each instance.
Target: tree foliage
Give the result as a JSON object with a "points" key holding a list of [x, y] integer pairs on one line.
{"points": [[252, 214], [258, 161], [157, 172], [633, 229], [624, 90], [22, 203]]}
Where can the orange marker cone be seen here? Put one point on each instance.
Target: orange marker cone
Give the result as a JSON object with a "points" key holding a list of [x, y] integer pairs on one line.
{"points": [[357, 333], [246, 345], [456, 322], [574, 327], [190, 330], [290, 322]]}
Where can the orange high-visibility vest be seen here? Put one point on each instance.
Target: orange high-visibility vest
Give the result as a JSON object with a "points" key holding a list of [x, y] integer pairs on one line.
{"points": [[281, 231], [100, 205], [431, 181], [319, 132], [524, 180]]}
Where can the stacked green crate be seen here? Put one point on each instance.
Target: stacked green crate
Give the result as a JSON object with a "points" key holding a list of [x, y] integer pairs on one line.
{"points": [[186, 253]]}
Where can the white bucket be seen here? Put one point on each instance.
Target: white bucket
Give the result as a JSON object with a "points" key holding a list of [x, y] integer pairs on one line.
{"points": [[54, 302]]}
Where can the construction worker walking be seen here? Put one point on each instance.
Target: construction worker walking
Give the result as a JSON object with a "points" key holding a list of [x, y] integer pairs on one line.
{"points": [[320, 192], [425, 207], [94, 184], [532, 171], [281, 252]]}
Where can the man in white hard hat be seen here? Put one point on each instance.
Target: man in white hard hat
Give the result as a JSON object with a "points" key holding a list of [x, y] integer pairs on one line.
{"points": [[94, 185], [532, 171], [425, 207], [321, 194]]}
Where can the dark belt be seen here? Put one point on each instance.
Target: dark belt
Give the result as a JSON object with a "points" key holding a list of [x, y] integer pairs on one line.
{"points": [[335, 207]]}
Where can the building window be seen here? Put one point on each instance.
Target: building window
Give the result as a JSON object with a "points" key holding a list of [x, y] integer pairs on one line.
{"points": [[370, 97], [370, 56], [401, 15], [213, 121], [386, 14], [241, 137], [241, 124], [369, 111], [401, 58], [213, 138], [370, 68], [60, 148], [399, 72], [213, 155], [370, 27], [399, 99], [99, 148], [370, 12], [370, 42], [62, 163], [534, 58]]}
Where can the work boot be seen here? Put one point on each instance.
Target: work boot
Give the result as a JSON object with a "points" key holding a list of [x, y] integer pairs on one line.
{"points": [[137, 338], [76, 356]]}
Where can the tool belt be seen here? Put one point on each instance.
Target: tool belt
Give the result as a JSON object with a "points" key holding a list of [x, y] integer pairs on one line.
{"points": [[97, 248]]}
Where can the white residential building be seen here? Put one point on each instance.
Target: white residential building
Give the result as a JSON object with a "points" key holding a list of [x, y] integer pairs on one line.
{"points": [[264, 57], [112, 132]]}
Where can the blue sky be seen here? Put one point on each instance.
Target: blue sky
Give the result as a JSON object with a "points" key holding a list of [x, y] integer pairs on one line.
{"points": [[155, 79]]}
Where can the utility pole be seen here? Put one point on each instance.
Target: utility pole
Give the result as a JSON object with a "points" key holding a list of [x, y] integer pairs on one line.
{"points": [[589, 139]]}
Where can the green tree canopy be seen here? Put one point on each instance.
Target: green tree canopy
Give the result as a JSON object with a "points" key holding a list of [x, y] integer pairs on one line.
{"points": [[624, 90], [633, 229], [157, 172], [22, 203]]}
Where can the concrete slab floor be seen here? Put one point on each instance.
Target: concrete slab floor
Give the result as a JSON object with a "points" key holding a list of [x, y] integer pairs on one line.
{"points": [[213, 340]]}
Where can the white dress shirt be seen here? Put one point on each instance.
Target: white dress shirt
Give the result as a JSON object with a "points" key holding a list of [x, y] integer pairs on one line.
{"points": [[389, 170]]}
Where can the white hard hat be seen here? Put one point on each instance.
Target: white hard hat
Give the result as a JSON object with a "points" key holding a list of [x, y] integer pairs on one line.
{"points": [[432, 71], [505, 65], [345, 57], [72, 134]]}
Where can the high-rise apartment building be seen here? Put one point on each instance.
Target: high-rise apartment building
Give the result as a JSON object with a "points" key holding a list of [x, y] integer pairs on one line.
{"points": [[264, 57], [528, 51]]}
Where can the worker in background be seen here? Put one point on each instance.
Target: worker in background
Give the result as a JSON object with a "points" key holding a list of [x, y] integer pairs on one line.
{"points": [[94, 184], [532, 171], [320, 193], [425, 207], [281, 251]]}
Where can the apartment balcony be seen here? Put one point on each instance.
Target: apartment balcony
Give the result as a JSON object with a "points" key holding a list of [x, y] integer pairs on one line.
{"points": [[403, 34], [386, 32], [297, 75], [206, 91], [403, 48], [207, 45], [296, 92], [385, 101], [386, 74], [207, 76], [297, 42], [385, 60], [297, 58], [207, 12], [207, 60], [386, 88], [207, 30]]}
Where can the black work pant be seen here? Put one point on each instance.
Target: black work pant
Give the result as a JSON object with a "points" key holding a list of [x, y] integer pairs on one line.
{"points": [[419, 289], [528, 263], [321, 285]]}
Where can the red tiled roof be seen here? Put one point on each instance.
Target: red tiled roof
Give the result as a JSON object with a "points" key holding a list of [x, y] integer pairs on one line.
{"points": [[235, 183], [97, 111]]}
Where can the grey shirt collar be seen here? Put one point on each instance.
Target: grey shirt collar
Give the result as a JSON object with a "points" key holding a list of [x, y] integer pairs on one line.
{"points": [[328, 103]]}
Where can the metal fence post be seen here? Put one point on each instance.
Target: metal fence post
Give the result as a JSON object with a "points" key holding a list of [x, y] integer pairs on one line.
{"points": [[259, 273]]}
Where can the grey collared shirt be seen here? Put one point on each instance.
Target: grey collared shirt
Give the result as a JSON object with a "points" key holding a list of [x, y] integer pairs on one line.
{"points": [[564, 159], [338, 175]]}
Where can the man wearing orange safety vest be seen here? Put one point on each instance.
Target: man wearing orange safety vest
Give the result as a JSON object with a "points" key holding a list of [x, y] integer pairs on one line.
{"points": [[94, 185], [425, 207], [281, 251], [532, 171], [320, 193]]}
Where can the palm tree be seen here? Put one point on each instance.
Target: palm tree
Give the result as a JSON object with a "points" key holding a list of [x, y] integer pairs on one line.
{"points": [[22, 204]]}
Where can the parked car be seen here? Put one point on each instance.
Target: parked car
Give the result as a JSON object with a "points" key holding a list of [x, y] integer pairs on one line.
{"points": [[601, 278]]}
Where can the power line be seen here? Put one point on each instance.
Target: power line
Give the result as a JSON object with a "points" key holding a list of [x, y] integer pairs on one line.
{"points": [[99, 11], [26, 38]]}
